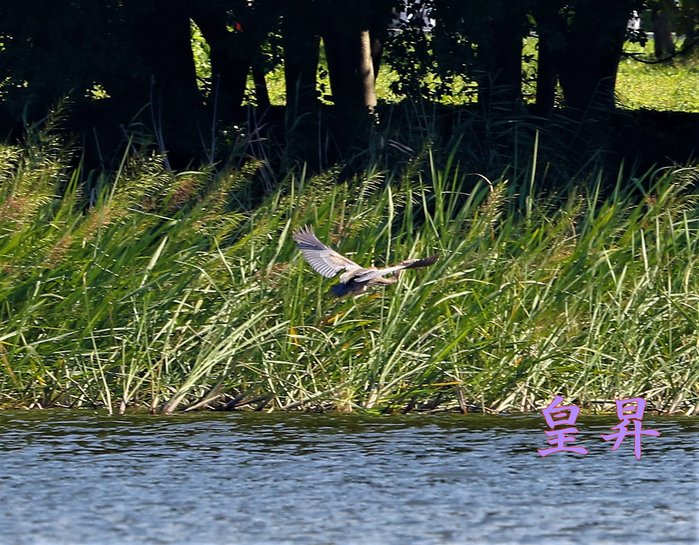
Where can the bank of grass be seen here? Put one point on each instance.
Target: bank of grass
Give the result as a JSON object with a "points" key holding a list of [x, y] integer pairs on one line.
{"points": [[166, 291]]}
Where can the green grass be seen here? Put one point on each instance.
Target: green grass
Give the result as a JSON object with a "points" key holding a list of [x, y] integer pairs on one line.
{"points": [[666, 86], [171, 292]]}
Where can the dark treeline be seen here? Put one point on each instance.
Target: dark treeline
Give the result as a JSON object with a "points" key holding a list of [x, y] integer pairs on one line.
{"points": [[127, 66]]}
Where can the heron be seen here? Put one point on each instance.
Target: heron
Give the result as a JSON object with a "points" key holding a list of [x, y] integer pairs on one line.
{"points": [[355, 278]]}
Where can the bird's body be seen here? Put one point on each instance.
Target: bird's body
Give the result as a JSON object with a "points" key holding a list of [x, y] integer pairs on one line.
{"points": [[355, 278]]}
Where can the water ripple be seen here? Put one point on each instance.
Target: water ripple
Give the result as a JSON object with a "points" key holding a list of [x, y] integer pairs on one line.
{"points": [[69, 477]]}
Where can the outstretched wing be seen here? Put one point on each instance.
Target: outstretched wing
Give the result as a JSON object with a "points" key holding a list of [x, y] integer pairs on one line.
{"points": [[324, 260], [407, 264]]}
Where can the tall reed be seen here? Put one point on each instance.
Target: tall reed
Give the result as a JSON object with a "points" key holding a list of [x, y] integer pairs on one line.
{"points": [[160, 290]]}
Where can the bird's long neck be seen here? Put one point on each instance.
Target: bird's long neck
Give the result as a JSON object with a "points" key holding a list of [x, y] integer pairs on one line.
{"points": [[386, 279]]}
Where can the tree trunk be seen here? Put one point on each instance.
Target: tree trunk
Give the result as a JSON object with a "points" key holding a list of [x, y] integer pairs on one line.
{"points": [[587, 66], [348, 51], [301, 27], [167, 81], [663, 44], [550, 28], [351, 70], [229, 68], [500, 57], [261, 91], [688, 24], [380, 16], [545, 78]]}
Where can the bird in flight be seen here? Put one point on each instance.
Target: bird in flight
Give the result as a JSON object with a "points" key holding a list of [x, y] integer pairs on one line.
{"points": [[354, 279]]}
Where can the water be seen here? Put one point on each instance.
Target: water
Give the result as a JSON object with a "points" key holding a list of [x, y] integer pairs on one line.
{"points": [[84, 478]]}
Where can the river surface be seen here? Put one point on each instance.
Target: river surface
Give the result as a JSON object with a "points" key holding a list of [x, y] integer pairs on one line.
{"points": [[85, 478]]}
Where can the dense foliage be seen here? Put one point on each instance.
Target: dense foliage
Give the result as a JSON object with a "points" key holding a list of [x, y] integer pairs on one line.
{"points": [[169, 291], [128, 66]]}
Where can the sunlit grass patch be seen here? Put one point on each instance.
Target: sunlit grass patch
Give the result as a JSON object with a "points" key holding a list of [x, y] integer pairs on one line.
{"points": [[673, 85]]}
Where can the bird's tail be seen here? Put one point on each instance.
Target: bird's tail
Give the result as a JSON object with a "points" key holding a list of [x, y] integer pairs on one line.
{"points": [[415, 263]]}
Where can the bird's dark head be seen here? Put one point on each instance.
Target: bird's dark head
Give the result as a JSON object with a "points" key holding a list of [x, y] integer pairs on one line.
{"points": [[347, 288], [339, 290]]}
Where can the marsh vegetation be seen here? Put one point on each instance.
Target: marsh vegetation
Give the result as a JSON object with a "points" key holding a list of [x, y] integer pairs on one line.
{"points": [[146, 259], [175, 290]]}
